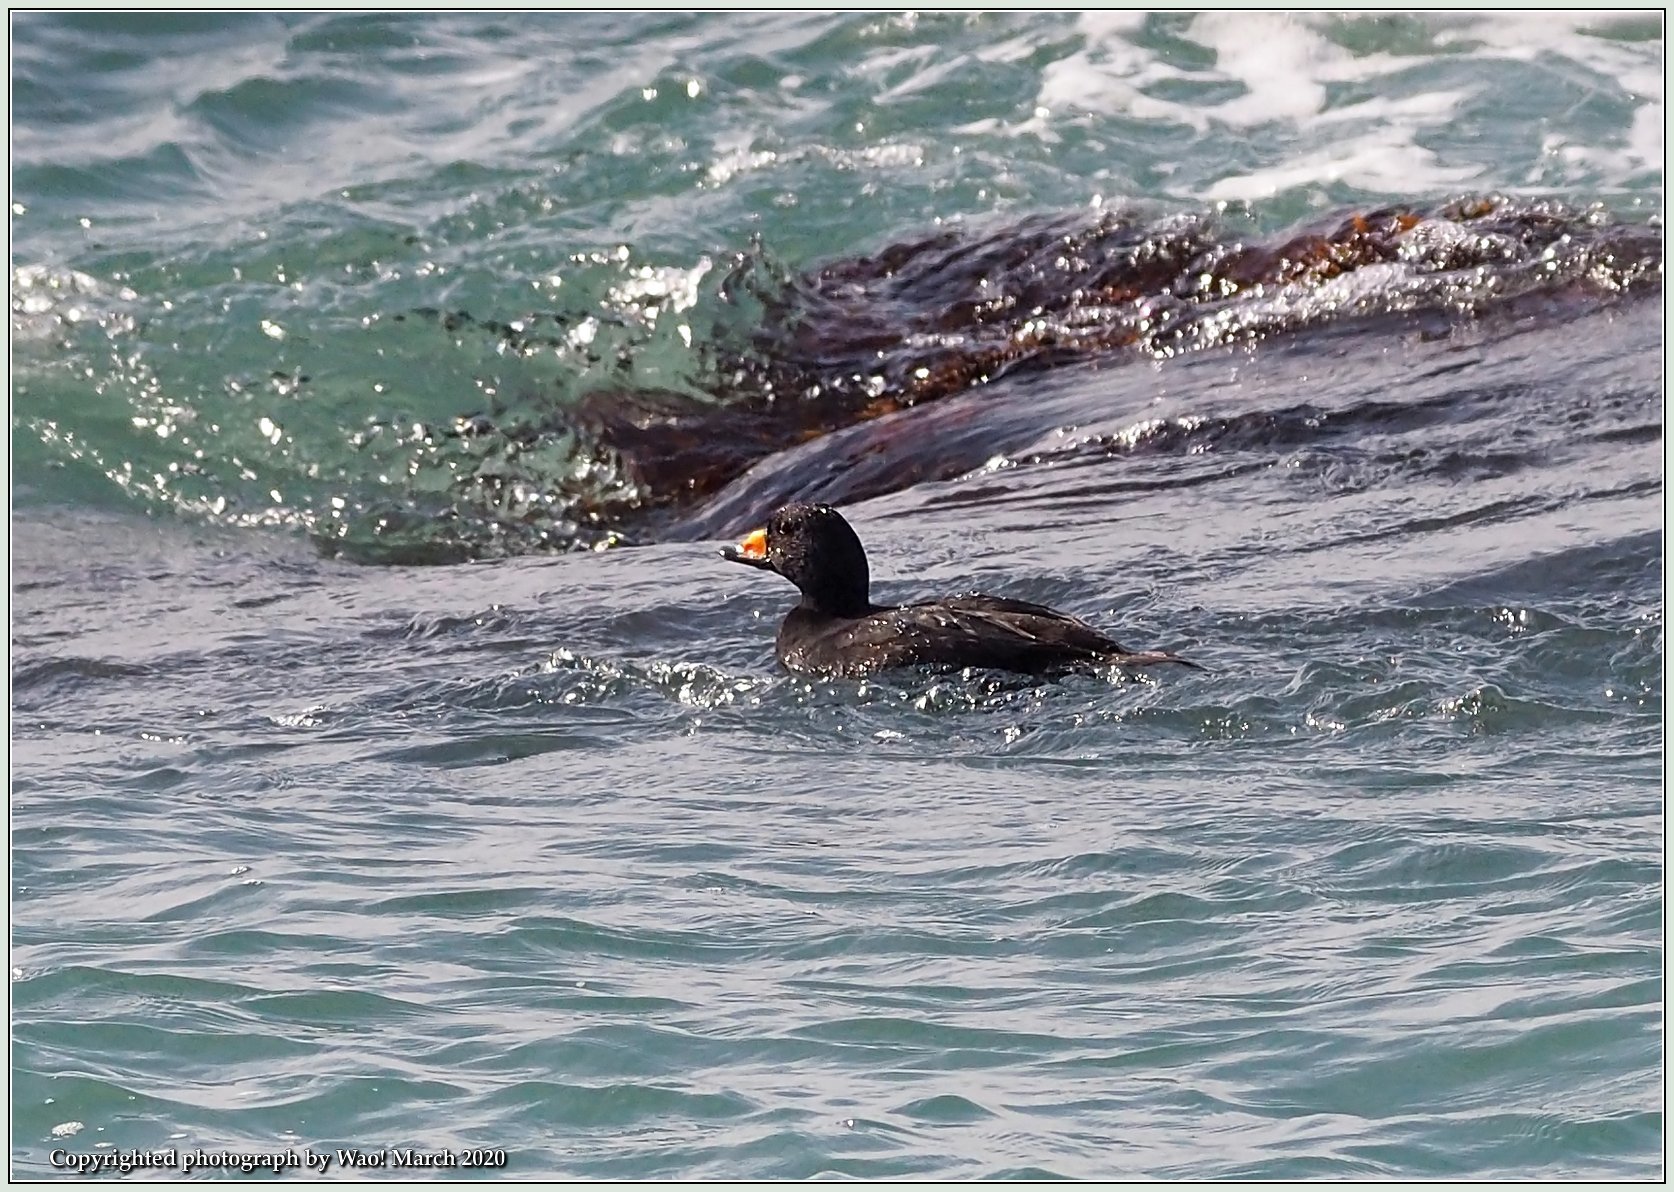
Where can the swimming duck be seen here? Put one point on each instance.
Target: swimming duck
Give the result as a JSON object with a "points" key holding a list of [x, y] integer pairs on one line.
{"points": [[836, 630]]}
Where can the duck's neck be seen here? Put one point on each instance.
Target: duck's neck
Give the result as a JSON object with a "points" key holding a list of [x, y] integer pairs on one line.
{"points": [[849, 601]]}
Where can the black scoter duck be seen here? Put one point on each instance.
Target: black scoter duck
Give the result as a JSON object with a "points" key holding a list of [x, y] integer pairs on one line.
{"points": [[837, 631]]}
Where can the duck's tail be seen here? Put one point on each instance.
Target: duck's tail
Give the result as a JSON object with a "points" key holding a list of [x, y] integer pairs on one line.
{"points": [[1153, 658]]}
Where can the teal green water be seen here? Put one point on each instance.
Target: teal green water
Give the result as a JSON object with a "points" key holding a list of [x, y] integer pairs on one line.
{"points": [[541, 854]]}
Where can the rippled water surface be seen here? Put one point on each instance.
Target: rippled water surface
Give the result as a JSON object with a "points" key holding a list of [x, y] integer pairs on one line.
{"points": [[353, 806]]}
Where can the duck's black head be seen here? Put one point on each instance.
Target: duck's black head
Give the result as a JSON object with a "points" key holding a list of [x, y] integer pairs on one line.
{"points": [[814, 548]]}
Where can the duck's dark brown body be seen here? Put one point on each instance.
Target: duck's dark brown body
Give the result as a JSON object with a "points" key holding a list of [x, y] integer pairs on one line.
{"points": [[980, 631], [836, 631]]}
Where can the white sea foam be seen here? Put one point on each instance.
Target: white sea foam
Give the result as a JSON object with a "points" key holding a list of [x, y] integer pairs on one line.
{"points": [[1110, 75], [1367, 162], [1301, 71]]}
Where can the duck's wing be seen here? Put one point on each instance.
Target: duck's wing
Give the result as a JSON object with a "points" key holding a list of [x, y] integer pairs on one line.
{"points": [[996, 617], [990, 631]]}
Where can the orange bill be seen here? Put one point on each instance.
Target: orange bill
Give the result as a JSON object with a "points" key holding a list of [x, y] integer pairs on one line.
{"points": [[753, 551], [754, 545]]}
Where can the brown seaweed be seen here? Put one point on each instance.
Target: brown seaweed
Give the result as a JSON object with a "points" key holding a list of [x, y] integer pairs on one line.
{"points": [[841, 352]]}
